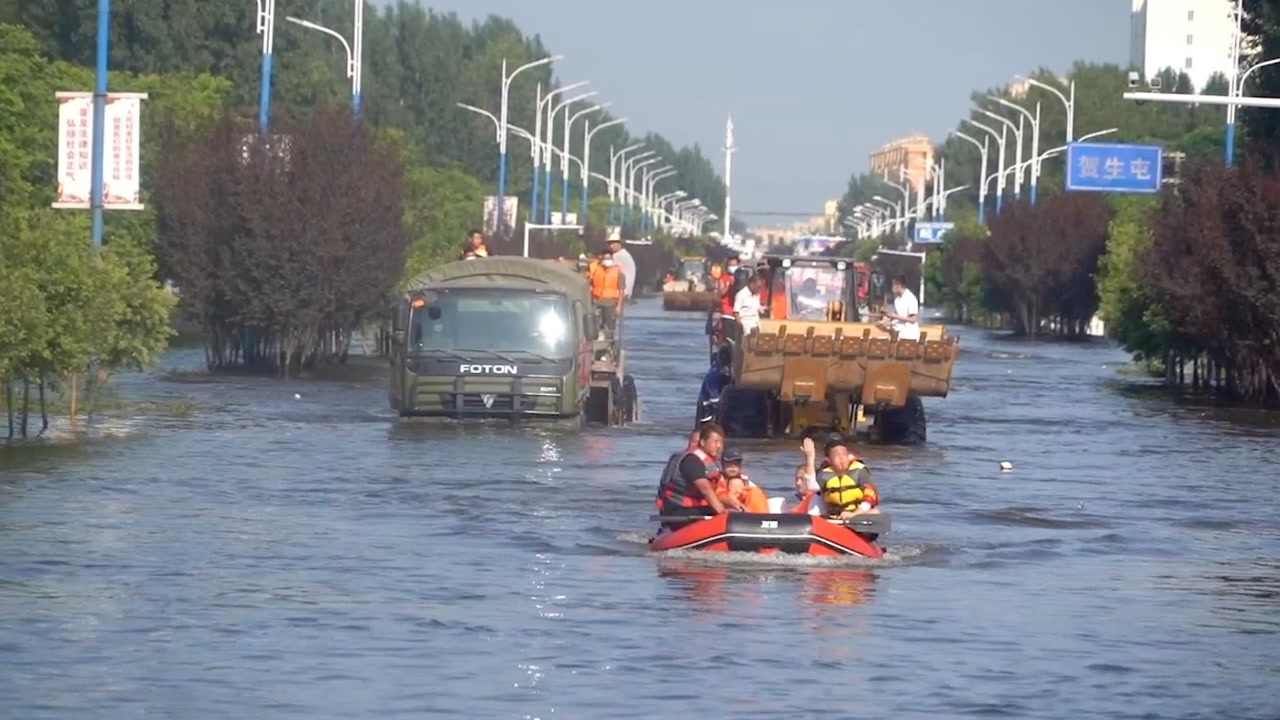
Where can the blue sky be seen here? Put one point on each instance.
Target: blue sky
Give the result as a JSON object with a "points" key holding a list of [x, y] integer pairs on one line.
{"points": [[813, 85]]}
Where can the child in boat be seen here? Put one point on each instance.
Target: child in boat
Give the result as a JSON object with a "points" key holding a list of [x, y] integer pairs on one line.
{"points": [[842, 488], [738, 485]]}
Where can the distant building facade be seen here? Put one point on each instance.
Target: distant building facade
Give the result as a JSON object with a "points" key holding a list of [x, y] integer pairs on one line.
{"points": [[1191, 36], [914, 153]]}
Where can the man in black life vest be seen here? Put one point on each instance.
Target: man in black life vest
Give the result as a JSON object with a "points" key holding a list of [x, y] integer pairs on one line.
{"points": [[688, 487]]}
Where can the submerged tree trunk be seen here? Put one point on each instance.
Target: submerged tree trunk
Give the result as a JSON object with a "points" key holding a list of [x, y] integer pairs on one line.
{"points": [[26, 403], [44, 408]]}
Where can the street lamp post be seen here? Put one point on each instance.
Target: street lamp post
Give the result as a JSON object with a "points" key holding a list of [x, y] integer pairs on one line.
{"points": [[1000, 158], [1017, 135], [538, 147], [267, 29], [1070, 104], [906, 202], [1235, 84], [1035, 139], [624, 188], [564, 159], [552, 111], [613, 184], [893, 210], [588, 133], [96, 162], [631, 182], [646, 192], [354, 64], [982, 174], [502, 130], [1237, 92]]}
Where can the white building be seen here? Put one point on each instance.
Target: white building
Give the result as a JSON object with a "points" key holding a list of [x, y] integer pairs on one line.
{"points": [[1194, 36]]}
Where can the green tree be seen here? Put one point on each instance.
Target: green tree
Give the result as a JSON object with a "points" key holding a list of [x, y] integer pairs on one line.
{"points": [[1132, 317]]}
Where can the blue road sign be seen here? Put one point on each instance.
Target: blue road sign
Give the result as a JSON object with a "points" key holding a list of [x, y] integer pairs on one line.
{"points": [[1114, 167], [931, 233]]}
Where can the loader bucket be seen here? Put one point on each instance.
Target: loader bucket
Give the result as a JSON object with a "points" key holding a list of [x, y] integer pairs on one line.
{"points": [[805, 360], [678, 299]]}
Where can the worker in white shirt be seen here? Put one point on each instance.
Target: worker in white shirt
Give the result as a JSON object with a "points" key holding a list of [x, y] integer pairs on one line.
{"points": [[905, 317], [746, 305], [624, 261]]}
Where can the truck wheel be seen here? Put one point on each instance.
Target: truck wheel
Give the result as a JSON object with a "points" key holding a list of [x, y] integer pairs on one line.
{"points": [[906, 425], [744, 413], [631, 399], [617, 404]]}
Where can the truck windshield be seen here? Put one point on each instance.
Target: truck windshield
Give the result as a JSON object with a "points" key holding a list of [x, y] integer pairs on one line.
{"points": [[811, 288], [495, 321]]}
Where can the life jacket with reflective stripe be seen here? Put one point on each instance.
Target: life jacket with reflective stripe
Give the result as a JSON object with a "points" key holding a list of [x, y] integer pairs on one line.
{"points": [[676, 492], [846, 490]]}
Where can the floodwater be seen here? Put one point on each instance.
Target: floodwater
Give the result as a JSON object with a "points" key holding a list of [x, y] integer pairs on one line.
{"points": [[279, 557]]}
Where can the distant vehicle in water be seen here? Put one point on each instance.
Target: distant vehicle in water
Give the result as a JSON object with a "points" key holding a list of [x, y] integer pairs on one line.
{"points": [[506, 337], [690, 286]]}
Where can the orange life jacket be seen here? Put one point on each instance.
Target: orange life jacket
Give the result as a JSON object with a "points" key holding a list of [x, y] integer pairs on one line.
{"points": [[726, 298], [676, 492], [605, 283], [778, 308]]}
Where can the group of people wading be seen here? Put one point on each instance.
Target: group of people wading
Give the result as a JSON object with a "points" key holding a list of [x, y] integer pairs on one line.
{"points": [[707, 479]]}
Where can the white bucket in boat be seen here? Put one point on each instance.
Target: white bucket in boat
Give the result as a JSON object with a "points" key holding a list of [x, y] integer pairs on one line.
{"points": [[775, 504]]}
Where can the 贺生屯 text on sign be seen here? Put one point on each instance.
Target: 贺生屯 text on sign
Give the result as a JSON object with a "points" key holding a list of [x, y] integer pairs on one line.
{"points": [[1114, 167]]}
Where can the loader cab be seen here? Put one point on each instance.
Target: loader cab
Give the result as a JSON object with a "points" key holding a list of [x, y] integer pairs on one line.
{"points": [[815, 289]]}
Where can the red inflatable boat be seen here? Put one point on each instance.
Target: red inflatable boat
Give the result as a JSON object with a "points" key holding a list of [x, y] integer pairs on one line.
{"points": [[791, 533]]}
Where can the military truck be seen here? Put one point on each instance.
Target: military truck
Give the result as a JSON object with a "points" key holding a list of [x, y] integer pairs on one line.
{"points": [[822, 362], [506, 337], [691, 288]]}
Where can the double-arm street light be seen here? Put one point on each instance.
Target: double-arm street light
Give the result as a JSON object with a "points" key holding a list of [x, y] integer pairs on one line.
{"points": [[502, 129], [615, 191], [999, 137], [589, 132], [354, 54], [1035, 138], [982, 174], [646, 192], [564, 158], [629, 168], [552, 110], [543, 101], [1017, 135]]}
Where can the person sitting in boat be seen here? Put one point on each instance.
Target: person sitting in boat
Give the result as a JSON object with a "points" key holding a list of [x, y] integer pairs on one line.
{"points": [[737, 485], [688, 487], [842, 487]]}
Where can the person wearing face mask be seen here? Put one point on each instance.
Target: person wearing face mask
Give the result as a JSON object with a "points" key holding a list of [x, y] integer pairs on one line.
{"points": [[608, 289]]}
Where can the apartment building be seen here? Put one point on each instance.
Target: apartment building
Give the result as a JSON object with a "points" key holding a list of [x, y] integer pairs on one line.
{"points": [[1193, 36]]}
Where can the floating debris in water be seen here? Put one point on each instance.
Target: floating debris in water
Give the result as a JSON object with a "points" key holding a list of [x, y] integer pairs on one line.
{"points": [[1006, 466]]}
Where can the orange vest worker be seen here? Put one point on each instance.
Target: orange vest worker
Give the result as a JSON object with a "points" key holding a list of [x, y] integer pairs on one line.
{"points": [[605, 283]]}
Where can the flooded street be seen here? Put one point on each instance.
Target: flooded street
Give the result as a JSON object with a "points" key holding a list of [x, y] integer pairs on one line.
{"points": [[310, 557]]}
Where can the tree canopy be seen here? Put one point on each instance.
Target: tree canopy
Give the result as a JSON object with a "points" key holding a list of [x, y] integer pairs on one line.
{"points": [[418, 64]]}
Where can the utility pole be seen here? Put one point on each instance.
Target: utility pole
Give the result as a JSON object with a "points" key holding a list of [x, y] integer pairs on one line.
{"points": [[728, 174]]}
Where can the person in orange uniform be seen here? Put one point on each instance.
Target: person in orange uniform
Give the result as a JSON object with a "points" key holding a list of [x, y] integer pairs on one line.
{"points": [[841, 488], [608, 289], [688, 487], [735, 484], [475, 245]]}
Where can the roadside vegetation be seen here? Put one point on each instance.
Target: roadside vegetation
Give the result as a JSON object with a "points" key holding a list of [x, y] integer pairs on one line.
{"points": [[275, 262], [1187, 281]]}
